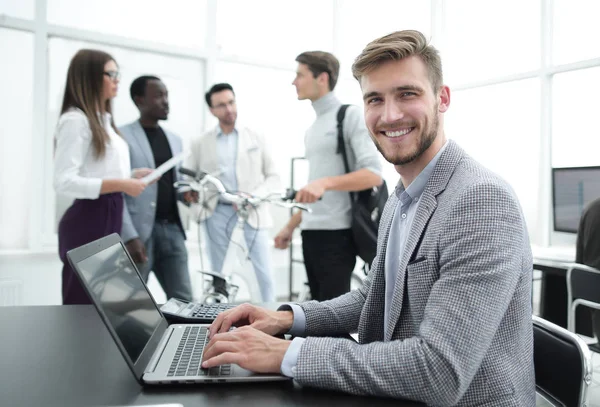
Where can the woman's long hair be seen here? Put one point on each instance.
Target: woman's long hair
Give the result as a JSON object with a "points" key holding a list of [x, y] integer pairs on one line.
{"points": [[84, 90]]}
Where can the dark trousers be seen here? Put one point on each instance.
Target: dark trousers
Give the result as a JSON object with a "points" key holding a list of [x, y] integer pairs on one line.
{"points": [[85, 221], [168, 258], [329, 258]]}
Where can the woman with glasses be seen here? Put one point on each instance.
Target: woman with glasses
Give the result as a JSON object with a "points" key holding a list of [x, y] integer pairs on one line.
{"points": [[91, 161]]}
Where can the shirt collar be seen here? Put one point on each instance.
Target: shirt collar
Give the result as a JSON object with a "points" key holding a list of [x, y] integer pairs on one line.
{"points": [[325, 103], [220, 131], [416, 188]]}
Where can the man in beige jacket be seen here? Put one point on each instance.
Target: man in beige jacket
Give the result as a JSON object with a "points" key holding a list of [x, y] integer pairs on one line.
{"points": [[243, 162]]}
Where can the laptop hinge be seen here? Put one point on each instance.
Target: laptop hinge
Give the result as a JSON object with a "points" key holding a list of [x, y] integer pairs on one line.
{"points": [[157, 355]]}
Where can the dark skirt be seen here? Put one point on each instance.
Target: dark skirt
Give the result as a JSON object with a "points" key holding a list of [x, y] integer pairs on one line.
{"points": [[85, 221]]}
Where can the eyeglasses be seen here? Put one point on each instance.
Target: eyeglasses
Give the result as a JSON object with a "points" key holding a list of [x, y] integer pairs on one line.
{"points": [[222, 106], [114, 75]]}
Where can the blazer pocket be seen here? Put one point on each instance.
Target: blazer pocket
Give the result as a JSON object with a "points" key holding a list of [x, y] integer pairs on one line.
{"points": [[421, 275], [417, 260]]}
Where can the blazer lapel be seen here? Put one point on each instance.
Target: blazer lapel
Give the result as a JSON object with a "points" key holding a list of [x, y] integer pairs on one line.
{"points": [[140, 138], [371, 321], [241, 170], [208, 151], [427, 204], [425, 209]]}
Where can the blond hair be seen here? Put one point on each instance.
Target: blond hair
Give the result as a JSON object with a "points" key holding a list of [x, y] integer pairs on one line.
{"points": [[395, 47]]}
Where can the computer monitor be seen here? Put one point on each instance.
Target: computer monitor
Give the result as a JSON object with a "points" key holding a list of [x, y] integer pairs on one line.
{"points": [[572, 190]]}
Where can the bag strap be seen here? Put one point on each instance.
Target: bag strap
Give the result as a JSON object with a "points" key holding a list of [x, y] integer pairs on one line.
{"points": [[341, 147]]}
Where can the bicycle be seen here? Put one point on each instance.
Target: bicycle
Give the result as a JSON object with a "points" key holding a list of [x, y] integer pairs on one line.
{"points": [[237, 263]]}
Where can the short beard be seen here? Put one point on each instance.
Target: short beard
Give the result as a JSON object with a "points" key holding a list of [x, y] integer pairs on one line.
{"points": [[424, 143]]}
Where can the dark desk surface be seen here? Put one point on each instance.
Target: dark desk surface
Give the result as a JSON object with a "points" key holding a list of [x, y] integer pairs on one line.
{"points": [[64, 356]]}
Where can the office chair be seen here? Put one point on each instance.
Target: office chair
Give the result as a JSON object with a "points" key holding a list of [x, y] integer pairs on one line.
{"points": [[583, 288], [563, 366]]}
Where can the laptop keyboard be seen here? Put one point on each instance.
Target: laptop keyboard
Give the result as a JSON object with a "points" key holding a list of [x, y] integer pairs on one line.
{"points": [[188, 356], [210, 311]]}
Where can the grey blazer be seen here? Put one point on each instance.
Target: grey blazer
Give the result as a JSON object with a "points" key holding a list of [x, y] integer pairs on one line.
{"points": [[460, 330], [139, 213]]}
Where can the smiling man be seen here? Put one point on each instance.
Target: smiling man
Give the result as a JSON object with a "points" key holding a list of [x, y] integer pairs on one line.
{"points": [[152, 229], [444, 316]]}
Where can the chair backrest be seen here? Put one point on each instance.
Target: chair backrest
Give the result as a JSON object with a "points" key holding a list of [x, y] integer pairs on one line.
{"points": [[583, 288], [563, 368]]}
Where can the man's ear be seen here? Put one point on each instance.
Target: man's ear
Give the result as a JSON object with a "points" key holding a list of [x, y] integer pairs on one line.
{"points": [[444, 99], [323, 78], [138, 100]]}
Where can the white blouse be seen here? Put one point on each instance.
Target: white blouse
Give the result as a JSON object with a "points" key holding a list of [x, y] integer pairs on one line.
{"points": [[77, 171]]}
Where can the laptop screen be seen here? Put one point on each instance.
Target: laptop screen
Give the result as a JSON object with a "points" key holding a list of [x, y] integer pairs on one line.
{"points": [[119, 291]]}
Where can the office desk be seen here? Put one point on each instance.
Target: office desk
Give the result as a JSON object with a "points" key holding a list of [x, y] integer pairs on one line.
{"points": [[64, 356]]}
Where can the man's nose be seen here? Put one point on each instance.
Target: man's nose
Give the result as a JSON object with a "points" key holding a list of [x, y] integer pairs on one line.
{"points": [[392, 113]]}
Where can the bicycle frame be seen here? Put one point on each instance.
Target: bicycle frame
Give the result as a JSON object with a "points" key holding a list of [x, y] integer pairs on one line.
{"points": [[237, 263]]}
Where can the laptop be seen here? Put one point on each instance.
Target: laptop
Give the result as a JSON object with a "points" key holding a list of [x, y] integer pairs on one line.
{"points": [[155, 352]]}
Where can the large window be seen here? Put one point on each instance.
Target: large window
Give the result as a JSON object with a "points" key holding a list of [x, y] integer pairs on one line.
{"points": [[575, 135], [360, 24], [179, 22], [484, 39], [16, 82], [499, 126], [523, 75], [576, 30], [274, 31], [21, 9]]}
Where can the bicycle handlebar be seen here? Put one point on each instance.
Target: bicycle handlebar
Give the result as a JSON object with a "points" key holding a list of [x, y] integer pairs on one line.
{"points": [[189, 173], [202, 178]]}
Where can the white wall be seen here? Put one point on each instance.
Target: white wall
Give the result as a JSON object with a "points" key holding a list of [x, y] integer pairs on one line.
{"points": [[35, 278]]}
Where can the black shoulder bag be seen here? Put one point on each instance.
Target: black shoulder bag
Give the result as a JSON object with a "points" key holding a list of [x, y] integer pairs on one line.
{"points": [[367, 205]]}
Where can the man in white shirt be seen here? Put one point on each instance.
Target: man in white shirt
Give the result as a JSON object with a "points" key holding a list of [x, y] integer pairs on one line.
{"points": [[242, 159]]}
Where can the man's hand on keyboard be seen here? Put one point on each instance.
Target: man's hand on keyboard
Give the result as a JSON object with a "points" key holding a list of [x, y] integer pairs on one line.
{"points": [[248, 347], [267, 321]]}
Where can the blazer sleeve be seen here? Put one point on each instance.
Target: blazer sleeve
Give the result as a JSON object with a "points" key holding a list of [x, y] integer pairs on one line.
{"points": [[128, 230], [481, 259], [271, 181], [337, 316]]}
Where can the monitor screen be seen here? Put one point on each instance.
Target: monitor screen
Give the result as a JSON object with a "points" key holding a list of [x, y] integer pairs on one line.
{"points": [[119, 291], [573, 189]]}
